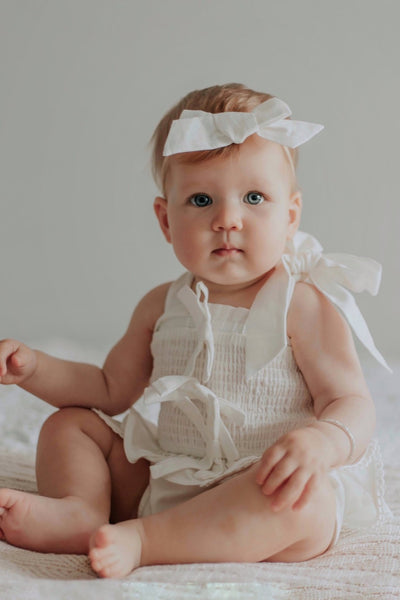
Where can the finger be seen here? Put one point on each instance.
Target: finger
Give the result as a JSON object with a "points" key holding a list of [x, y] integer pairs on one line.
{"points": [[307, 493], [3, 363], [13, 359], [279, 474], [270, 458], [17, 359], [291, 491], [7, 348]]}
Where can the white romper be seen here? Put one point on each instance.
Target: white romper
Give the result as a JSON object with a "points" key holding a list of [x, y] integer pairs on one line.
{"points": [[225, 386]]}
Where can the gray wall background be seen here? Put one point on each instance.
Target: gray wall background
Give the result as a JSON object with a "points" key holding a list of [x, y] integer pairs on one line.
{"points": [[84, 83]]}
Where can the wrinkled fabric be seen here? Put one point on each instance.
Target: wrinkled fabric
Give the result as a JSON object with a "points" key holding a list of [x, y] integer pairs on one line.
{"points": [[140, 435], [199, 130]]}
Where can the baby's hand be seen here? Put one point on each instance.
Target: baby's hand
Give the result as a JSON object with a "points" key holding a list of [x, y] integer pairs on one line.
{"points": [[292, 467], [17, 362]]}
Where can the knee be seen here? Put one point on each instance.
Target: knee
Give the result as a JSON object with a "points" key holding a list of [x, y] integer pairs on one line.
{"points": [[72, 425], [61, 420], [313, 526], [320, 511], [318, 520]]}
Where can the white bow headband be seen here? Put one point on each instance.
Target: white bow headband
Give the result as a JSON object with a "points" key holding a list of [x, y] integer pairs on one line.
{"points": [[198, 130]]}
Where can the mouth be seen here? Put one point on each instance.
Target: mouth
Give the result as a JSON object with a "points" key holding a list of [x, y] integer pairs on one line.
{"points": [[227, 251]]}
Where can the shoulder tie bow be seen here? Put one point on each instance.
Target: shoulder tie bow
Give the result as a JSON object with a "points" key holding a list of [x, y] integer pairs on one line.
{"points": [[266, 327], [199, 130]]}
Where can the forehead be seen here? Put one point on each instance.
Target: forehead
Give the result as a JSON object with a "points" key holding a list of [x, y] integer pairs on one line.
{"points": [[255, 160]]}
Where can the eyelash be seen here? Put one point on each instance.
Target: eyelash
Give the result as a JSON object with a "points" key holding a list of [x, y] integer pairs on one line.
{"points": [[255, 194], [192, 199]]}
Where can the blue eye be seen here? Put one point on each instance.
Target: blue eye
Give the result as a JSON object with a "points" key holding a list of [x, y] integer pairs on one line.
{"points": [[201, 200], [254, 198]]}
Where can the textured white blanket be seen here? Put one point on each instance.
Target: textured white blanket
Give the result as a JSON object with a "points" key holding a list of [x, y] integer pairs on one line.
{"points": [[362, 565]]}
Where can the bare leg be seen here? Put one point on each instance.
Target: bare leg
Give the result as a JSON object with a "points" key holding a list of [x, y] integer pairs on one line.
{"points": [[232, 522], [82, 476]]}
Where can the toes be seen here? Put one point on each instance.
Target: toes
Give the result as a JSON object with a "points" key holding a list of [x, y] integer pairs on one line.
{"points": [[102, 537], [4, 500], [104, 566], [101, 557], [106, 571], [106, 560], [112, 572], [113, 553], [95, 562]]}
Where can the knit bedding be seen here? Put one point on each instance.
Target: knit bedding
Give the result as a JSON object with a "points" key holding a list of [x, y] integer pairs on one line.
{"points": [[363, 565]]}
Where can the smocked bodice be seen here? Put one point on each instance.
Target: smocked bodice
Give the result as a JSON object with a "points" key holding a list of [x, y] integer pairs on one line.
{"points": [[225, 384], [272, 401]]}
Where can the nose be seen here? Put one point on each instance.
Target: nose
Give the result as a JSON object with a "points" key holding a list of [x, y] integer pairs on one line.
{"points": [[227, 217]]}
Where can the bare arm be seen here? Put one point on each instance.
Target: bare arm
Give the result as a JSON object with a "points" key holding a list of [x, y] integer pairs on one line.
{"points": [[324, 350], [113, 388]]}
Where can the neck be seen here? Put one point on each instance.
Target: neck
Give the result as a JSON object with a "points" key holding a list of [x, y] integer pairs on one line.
{"points": [[238, 295]]}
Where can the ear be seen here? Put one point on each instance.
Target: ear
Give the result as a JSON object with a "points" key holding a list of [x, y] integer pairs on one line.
{"points": [[294, 213], [161, 209]]}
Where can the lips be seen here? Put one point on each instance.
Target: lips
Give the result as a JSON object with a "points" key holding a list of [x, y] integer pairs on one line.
{"points": [[227, 251]]}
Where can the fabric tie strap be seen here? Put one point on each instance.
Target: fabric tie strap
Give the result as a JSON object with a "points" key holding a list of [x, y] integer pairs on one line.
{"points": [[185, 392], [266, 327], [199, 130], [200, 313]]}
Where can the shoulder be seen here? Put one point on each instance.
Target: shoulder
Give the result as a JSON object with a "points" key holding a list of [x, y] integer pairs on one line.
{"points": [[150, 307], [311, 311], [157, 295], [306, 303], [320, 336]]}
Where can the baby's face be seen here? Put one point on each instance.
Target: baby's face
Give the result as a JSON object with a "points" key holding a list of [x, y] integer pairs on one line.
{"points": [[228, 218]]}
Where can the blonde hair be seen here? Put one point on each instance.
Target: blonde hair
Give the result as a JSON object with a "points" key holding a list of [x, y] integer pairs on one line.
{"points": [[233, 97]]}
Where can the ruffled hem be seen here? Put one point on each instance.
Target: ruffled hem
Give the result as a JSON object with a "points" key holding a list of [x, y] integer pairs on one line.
{"points": [[361, 488]]}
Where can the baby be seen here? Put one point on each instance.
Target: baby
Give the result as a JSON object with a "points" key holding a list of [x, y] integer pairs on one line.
{"points": [[249, 431]]}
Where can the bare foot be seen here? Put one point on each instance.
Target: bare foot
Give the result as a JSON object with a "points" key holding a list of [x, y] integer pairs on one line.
{"points": [[46, 524], [116, 549]]}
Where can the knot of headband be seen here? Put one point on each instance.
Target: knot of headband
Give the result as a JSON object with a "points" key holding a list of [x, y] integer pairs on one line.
{"points": [[198, 130]]}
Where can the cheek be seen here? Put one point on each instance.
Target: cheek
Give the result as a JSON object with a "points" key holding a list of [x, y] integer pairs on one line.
{"points": [[269, 238], [185, 242], [183, 227], [181, 231]]}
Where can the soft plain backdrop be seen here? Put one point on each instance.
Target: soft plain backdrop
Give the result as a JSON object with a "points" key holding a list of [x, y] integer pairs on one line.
{"points": [[84, 83]]}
